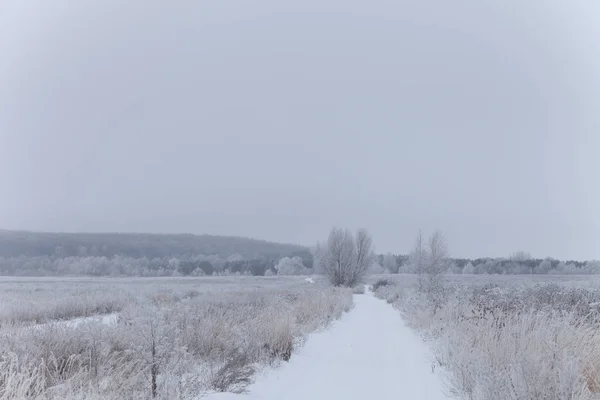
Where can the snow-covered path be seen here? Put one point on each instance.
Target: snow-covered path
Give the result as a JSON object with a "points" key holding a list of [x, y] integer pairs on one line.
{"points": [[368, 354]]}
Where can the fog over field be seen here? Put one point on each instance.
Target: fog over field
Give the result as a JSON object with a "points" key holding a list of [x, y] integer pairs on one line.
{"points": [[276, 121]]}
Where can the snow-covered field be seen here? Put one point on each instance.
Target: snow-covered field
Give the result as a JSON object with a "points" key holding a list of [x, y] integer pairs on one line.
{"points": [[453, 280], [164, 338], [28, 300], [501, 338], [477, 338]]}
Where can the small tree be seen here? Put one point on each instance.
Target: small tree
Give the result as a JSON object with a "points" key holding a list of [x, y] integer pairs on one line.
{"points": [[152, 343], [432, 264], [436, 263], [543, 267], [469, 268], [344, 259], [417, 260], [522, 258], [290, 266]]}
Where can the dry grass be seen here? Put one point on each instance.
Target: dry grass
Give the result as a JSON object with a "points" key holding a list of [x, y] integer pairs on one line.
{"points": [[233, 375], [504, 343], [54, 304], [170, 343], [40, 300]]}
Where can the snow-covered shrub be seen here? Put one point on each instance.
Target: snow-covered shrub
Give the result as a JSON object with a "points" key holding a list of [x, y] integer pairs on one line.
{"points": [[500, 343], [358, 289], [291, 266], [379, 283], [168, 345], [529, 355]]}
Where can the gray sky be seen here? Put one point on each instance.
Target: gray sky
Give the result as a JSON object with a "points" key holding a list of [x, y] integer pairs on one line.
{"points": [[276, 120]]}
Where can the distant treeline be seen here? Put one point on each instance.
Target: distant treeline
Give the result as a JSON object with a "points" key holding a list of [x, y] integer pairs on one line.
{"points": [[148, 267], [518, 264], [300, 264], [66, 254], [134, 245], [120, 254]]}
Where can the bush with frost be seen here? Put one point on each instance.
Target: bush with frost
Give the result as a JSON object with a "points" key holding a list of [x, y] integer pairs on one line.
{"points": [[504, 343], [167, 346]]}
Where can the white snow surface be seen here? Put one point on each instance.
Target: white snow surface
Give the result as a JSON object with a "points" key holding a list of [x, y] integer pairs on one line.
{"points": [[369, 354], [104, 319]]}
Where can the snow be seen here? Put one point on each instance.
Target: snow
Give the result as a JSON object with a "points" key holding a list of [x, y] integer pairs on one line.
{"points": [[104, 319], [369, 354]]}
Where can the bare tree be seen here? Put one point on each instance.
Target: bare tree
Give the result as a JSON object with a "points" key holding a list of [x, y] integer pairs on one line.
{"points": [[437, 255], [432, 264], [520, 256], [343, 258], [154, 344], [364, 256], [417, 259]]}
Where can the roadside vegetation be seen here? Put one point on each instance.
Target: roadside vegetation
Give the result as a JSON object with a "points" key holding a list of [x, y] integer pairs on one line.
{"points": [[513, 339], [164, 344]]}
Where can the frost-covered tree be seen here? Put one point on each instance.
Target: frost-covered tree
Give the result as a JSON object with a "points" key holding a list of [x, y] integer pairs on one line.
{"points": [[377, 269], [522, 261], [543, 267], [417, 258], [520, 256], [592, 267], [572, 269], [407, 268], [468, 268], [154, 343], [432, 264], [290, 266], [436, 256], [344, 259], [235, 257], [454, 269], [390, 263]]}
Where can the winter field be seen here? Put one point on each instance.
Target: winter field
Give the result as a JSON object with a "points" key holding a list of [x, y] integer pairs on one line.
{"points": [[507, 337], [163, 338], [474, 338]]}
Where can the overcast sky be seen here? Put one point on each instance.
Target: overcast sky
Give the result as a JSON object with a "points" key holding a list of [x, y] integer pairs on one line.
{"points": [[277, 121]]}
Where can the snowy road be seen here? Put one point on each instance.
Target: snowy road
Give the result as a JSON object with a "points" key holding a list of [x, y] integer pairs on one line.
{"points": [[369, 354]]}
